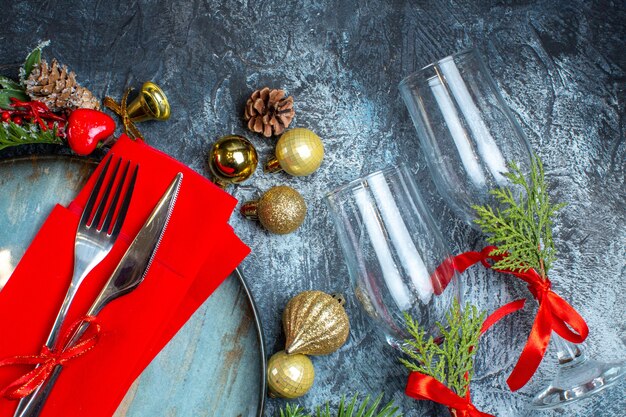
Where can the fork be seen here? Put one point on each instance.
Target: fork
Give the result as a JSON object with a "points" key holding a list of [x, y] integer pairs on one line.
{"points": [[95, 237]]}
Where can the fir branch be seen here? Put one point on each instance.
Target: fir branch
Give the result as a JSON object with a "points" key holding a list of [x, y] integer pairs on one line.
{"points": [[522, 229], [296, 411], [452, 362], [12, 134], [350, 408]]}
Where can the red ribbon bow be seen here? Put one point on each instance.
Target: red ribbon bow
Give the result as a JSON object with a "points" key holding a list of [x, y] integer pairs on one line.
{"points": [[554, 314], [47, 360], [424, 387]]}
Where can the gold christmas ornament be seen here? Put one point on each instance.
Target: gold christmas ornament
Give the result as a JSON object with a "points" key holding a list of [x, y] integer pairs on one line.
{"points": [[315, 323], [298, 152], [232, 159], [289, 376], [280, 210], [150, 104]]}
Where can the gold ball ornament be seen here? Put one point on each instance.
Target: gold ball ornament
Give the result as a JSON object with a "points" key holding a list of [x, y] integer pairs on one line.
{"points": [[298, 152], [280, 210], [289, 376], [232, 159], [315, 323]]}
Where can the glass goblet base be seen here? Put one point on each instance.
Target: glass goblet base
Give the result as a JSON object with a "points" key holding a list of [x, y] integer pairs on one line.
{"points": [[577, 379]]}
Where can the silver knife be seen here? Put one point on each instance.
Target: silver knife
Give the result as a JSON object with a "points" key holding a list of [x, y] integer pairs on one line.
{"points": [[128, 274]]}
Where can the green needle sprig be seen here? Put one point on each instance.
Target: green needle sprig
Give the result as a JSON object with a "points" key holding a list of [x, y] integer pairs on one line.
{"points": [[12, 134], [452, 361], [522, 227], [350, 408]]}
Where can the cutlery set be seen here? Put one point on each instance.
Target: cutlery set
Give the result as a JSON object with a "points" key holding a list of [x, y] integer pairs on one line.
{"points": [[97, 232]]}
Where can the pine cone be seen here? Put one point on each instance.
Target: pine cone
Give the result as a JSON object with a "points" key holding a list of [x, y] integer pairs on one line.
{"points": [[269, 112], [57, 87]]}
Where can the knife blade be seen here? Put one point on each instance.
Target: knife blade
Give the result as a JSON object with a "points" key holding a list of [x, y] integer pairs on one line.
{"points": [[128, 274]]}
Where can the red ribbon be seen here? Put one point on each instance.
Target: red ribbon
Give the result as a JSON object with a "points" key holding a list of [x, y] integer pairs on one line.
{"points": [[424, 387], [47, 360], [554, 313]]}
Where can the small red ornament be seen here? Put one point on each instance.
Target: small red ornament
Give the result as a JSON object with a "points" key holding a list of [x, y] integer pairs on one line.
{"points": [[86, 128], [6, 116], [17, 120]]}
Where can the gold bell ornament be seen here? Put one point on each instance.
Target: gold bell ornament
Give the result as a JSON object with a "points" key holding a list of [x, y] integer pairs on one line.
{"points": [[298, 152], [289, 376], [232, 159], [150, 104], [315, 323], [280, 210]]}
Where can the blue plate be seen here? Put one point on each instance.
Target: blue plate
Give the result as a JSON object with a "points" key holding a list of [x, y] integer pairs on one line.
{"points": [[214, 366]]}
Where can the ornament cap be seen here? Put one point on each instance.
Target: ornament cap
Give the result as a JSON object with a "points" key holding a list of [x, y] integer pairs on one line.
{"points": [[272, 166], [217, 181], [339, 298], [249, 210]]}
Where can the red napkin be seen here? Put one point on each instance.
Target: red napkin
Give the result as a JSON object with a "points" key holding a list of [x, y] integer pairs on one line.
{"points": [[198, 251]]}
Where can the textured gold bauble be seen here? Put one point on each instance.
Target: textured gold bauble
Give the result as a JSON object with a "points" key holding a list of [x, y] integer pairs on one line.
{"points": [[298, 152], [280, 210], [315, 323], [232, 159], [289, 376]]}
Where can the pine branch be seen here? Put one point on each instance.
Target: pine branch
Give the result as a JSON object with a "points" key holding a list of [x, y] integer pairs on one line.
{"points": [[352, 408], [294, 411], [12, 134], [452, 362], [522, 228]]}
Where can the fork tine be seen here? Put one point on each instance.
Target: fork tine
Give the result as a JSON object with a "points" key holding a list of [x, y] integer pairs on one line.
{"points": [[125, 203], [120, 186], [93, 196], [105, 197]]}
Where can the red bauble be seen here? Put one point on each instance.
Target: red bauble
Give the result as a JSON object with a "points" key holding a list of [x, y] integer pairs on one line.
{"points": [[86, 128]]}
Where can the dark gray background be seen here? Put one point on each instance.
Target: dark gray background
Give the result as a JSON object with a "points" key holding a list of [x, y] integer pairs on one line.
{"points": [[561, 67]]}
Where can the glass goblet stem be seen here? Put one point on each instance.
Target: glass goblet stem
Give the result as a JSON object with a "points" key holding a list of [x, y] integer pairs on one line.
{"points": [[568, 351]]}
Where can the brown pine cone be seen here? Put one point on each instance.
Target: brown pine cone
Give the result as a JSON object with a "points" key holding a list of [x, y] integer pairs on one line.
{"points": [[269, 112], [55, 86]]}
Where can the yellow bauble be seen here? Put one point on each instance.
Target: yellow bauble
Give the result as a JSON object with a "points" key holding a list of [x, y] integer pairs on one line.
{"points": [[232, 160], [280, 210], [289, 376], [298, 152]]}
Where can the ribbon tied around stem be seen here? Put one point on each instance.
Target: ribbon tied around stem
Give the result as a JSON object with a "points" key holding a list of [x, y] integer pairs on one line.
{"points": [[48, 359], [424, 387], [554, 313]]}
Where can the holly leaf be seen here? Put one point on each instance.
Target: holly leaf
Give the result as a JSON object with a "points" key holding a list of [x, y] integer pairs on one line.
{"points": [[7, 93], [6, 82], [34, 58]]}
